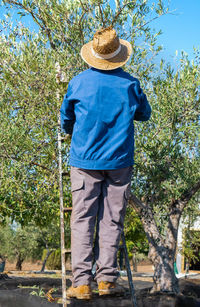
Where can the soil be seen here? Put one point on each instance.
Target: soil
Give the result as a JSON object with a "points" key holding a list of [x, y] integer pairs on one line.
{"points": [[142, 267], [21, 289]]}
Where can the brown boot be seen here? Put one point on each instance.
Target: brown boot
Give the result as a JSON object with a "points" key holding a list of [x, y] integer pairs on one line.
{"points": [[106, 288], [82, 292]]}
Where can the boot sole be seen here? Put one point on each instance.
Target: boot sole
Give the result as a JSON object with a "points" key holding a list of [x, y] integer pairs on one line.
{"points": [[84, 297], [80, 297], [111, 292], [106, 292]]}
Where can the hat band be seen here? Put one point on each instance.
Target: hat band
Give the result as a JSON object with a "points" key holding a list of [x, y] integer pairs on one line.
{"points": [[106, 56]]}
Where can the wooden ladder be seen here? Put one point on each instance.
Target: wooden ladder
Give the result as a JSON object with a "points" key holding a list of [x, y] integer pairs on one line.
{"points": [[63, 210]]}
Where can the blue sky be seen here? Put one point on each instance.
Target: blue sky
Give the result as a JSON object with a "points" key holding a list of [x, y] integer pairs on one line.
{"points": [[181, 31]]}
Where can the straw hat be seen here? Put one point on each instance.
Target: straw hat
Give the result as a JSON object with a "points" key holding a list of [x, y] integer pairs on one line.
{"points": [[106, 51]]}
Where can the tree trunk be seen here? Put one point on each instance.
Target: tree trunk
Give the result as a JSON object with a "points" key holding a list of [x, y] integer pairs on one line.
{"points": [[162, 249], [45, 260], [134, 262], [20, 259], [164, 277]]}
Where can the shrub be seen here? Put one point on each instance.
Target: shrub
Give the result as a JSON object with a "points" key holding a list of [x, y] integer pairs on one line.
{"points": [[54, 260]]}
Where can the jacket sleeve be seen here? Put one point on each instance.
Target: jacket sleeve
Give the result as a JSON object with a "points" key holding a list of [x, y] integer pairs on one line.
{"points": [[143, 110], [67, 112]]}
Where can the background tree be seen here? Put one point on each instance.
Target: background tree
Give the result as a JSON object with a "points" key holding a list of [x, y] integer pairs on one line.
{"points": [[18, 244], [29, 242]]}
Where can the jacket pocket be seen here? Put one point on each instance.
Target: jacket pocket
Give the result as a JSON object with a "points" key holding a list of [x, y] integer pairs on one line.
{"points": [[77, 185]]}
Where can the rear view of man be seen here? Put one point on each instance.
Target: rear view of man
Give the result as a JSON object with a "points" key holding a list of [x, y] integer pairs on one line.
{"points": [[98, 110]]}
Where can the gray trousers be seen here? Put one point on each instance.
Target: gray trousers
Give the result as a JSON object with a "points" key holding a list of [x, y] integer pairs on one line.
{"points": [[99, 204]]}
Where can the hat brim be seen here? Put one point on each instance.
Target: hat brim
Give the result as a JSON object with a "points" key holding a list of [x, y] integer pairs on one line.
{"points": [[107, 64]]}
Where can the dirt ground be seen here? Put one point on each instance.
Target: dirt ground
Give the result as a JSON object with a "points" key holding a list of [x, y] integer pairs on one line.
{"points": [[143, 267], [29, 289]]}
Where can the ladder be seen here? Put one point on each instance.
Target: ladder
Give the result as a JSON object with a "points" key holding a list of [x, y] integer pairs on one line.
{"points": [[63, 210]]}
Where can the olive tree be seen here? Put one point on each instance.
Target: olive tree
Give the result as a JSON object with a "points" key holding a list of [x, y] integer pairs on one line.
{"points": [[167, 163], [28, 90]]}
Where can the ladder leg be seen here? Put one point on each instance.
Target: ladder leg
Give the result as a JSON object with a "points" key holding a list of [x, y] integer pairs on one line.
{"points": [[62, 229], [129, 274]]}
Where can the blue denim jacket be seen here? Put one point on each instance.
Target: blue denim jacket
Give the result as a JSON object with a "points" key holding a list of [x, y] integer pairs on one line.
{"points": [[98, 110]]}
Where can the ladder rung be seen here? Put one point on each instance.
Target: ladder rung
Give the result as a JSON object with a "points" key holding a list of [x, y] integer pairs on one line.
{"points": [[64, 138], [65, 173], [66, 251], [67, 209]]}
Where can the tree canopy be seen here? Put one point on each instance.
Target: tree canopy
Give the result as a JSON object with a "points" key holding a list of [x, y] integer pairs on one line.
{"points": [[29, 104]]}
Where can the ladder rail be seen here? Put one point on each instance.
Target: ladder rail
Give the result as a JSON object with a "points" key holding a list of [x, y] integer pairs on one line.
{"points": [[61, 77], [62, 228]]}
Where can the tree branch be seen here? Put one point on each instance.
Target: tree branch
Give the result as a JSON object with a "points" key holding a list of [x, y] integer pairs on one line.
{"points": [[31, 163], [80, 26], [86, 10], [101, 14], [177, 208], [154, 18], [120, 11], [36, 18], [147, 218], [185, 197], [42, 166], [47, 30], [149, 21]]}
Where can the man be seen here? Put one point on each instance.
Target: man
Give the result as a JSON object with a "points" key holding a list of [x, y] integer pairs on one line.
{"points": [[98, 110]]}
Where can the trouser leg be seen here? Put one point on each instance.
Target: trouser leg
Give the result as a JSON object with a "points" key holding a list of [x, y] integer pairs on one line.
{"points": [[86, 189], [115, 188]]}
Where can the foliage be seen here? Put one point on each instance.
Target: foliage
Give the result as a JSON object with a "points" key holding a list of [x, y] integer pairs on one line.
{"points": [[135, 236], [166, 166], [54, 260], [28, 90], [191, 238], [28, 242], [6, 234], [167, 154], [28, 182], [18, 243], [191, 246]]}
